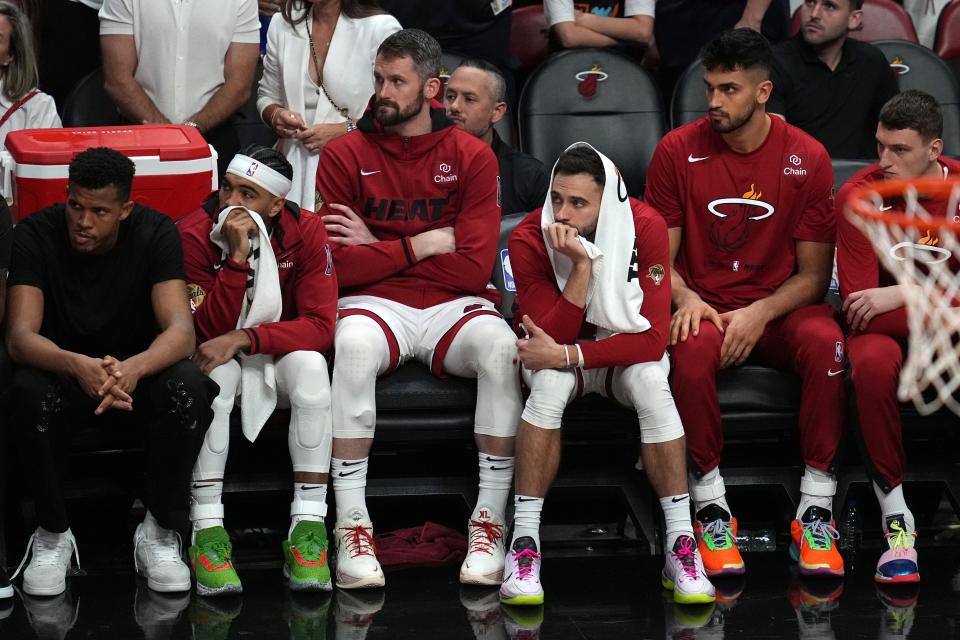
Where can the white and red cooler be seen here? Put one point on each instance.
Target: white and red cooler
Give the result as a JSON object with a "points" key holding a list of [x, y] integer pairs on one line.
{"points": [[176, 168]]}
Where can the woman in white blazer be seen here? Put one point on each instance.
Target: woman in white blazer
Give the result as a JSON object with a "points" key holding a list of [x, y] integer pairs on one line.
{"points": [[307, 110]]}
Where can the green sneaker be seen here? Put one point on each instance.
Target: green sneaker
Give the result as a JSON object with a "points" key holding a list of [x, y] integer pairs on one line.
{"points": [[305, 555], [306, 615], [211, 620], [210, 559]]}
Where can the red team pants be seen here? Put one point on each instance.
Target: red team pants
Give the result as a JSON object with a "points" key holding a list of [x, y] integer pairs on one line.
{"points": [[875, 362], [807, 342]]}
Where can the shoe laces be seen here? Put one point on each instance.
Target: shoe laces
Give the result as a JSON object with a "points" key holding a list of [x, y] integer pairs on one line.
{"points": [[164, 550], [48, 553], [820, 533], [484, 536], [310, 544], [358, 540], [685, 555], [900, 540], [524, 560], [717, 530]]}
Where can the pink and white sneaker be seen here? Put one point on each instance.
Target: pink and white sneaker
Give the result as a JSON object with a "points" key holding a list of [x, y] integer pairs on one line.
{"points": [[898, 564], [684, 574], [485, 554], [521, 585]]}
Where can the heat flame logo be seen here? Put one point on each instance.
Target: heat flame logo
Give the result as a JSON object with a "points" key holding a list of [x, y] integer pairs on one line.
{"points": [[731, 230], [928, 240], [753, 194]]}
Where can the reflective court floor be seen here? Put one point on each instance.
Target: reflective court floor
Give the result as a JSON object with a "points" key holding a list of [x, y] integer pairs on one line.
{"points": [[586, 598]]}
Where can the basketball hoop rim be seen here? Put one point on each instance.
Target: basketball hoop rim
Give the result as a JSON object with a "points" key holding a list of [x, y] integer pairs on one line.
{"points": [[861, 206]]}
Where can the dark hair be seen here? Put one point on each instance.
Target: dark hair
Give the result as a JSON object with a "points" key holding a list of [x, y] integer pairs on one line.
{"points": [[269, 157], [498, 86], [856, 5], [101, 167], [21, 75], [738, 50], [349, 8], [417, 45], [915, 110], [581, 159]]}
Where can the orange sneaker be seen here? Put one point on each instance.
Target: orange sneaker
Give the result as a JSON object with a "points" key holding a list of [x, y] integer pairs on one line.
{"points": [[813, 544], [717, 541]]}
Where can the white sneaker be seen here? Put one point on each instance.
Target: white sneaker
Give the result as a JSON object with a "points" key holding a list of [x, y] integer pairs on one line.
{"points": [[485, 553], [353, 613], [522, 582], [49, 554], [157, 557], [52, 618], [357, 565], [683, 573]]}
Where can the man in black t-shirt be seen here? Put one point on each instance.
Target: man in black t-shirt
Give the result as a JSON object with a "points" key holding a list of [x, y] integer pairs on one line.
{"points": [[475, 100], [829, 84], [100, 326]]}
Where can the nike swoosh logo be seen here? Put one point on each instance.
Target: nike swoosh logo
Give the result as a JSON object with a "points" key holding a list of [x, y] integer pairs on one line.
{"points": [[680, 499], [690, 158], [526, 499], [367, 173], [831, 372], [304, 487], [489, 459], [492, 468], [349, 473], [351, 464], [203, 486], [882, 208]]}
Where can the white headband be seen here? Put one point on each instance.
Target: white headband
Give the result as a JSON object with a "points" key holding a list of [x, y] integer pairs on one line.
{"points": [[260, 174]]}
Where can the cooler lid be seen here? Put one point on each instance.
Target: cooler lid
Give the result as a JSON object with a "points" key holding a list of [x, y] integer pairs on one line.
{"points": [[59, 146]]}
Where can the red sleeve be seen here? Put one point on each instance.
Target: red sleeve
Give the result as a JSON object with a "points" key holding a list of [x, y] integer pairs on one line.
{"points": [[663, 191], [357, 264], [477, 232], [625, 349], [316, 300], [537, 292], [818, 222], [216, 296]]}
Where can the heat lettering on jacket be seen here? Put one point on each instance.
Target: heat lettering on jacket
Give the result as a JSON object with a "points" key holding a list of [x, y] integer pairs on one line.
{"points": [[417, 209]]}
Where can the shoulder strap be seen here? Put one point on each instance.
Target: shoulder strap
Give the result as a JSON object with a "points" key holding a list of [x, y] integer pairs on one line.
{"points": [[16, 105]]}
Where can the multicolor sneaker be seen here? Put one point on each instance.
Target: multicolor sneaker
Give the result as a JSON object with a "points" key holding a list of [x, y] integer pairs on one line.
{"points": [[683, 573], [813, 601], [813, 544], [683, 621], [898, 564], [716, 533], [898, 603], [357, 565], [212, 565], [521, 584], [522, 623], [305, 557], [485, 553]]}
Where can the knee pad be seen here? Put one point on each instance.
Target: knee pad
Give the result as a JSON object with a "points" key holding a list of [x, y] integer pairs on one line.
{"points": [[499, 401], [358, 347], [647, 387], [550, 392]]}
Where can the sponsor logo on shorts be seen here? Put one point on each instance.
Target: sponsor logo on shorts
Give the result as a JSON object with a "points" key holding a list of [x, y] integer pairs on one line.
{"points": [[838, 351]]}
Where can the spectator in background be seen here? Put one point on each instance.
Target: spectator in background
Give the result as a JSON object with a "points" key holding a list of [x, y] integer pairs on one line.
{"points": [[600, 23], [829, 84], [684, 26], [22, 105], [189, 62], [68, 43], [475, 100], [317, 79]]}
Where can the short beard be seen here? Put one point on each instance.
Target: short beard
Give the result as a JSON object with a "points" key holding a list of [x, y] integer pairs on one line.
{"points": [[395, 115], [734, 124]]}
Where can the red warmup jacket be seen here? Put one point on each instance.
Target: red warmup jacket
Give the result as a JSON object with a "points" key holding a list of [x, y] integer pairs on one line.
{"points": [[540, 298], [402, 187], [307, 282]]}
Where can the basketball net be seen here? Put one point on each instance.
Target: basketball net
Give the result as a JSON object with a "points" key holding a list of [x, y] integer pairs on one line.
{"points": [[923, 252]]}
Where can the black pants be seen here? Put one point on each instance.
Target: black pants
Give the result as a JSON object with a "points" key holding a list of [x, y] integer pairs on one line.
{"points": [[171, 413]]}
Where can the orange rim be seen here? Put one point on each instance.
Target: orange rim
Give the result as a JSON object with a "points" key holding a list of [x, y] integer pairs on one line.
{"points": [[862, 205]]}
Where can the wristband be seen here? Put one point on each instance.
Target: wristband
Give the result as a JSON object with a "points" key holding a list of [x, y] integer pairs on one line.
{"points": [[566, 355]]}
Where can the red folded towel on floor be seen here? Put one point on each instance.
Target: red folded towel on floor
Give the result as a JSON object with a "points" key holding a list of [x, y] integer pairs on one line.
{"points": [[431, 545]]}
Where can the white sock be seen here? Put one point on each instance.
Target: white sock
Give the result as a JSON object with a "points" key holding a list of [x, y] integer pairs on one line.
{"points": [[708, 490], [309, 503], [526, 518], [894, 504], [350, 488], [817, 489], [496, 477], [203, 491], [676, 514]]}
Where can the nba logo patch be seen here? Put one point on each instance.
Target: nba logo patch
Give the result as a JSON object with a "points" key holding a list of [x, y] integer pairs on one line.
{"points": [[838, 352], [508, 282], [252, 169]]}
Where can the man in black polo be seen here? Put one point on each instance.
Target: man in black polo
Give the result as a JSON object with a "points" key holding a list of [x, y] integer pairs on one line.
{"points": [[830, 85], [475, 100]]}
